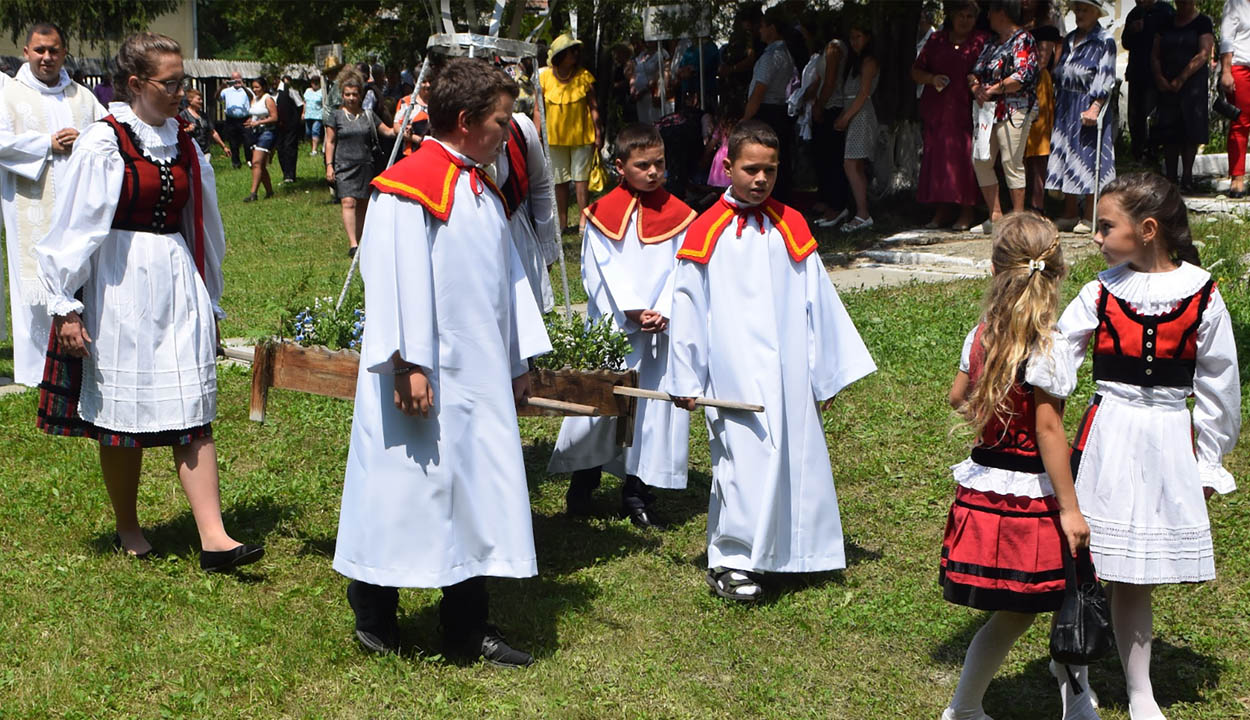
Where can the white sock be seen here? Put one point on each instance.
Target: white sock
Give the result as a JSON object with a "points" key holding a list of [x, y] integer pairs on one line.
{"points": [[1133, 619], [986, 652], [1077, 696]]}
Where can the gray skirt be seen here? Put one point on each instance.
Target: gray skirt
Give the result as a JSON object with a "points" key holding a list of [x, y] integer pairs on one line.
{"points": [[353, 180]]}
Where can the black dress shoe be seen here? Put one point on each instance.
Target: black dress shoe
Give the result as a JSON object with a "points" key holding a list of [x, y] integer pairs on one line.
{"points": [[642, 517], [224, 560], [490, 646], [150, 554], [375, 607]]}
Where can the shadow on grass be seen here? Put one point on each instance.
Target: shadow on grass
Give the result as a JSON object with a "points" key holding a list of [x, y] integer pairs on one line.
{"points": [[566, 544], [250, 522], [1180, 675], [778, 585], [528, 612]]}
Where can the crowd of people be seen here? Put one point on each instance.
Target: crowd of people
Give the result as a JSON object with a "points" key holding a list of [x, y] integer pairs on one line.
{"points": [[116, 282]]}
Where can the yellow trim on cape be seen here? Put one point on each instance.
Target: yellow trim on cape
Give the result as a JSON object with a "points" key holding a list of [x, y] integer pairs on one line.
{"points": [[714, 231]]}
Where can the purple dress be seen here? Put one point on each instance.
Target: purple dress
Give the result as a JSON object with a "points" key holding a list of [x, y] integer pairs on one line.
{"points": [[946, 174]]}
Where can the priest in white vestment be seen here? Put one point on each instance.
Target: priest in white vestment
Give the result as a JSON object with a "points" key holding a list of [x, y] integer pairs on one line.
{"points": [[41, 113], [757, 320], [435, 494]]}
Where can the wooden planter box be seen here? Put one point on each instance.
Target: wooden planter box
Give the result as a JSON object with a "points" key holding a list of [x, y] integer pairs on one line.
{"points": [[320, 371]]}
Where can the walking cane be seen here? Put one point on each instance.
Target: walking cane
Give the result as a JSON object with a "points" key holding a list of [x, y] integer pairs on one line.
{"points": [[1102, 114]]}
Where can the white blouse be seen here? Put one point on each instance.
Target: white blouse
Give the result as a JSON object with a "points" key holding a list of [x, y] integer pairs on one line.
{"points": [[1217, 384], [151, 364], [1235, 31]]}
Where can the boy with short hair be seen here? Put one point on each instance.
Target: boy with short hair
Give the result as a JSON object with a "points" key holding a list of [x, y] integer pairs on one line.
{"points": [[435, 492], [757, 320], [628, 257]]}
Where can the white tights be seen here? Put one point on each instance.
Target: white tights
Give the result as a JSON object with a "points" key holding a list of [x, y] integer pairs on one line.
{"points": [[986, 653], [1132, 618]]}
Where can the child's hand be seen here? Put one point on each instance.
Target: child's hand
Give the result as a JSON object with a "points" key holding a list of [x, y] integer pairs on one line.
{"points": [[685, 403], [413, 392], [1075, 529], [521, 389], [1207, 493], [652, 321]]}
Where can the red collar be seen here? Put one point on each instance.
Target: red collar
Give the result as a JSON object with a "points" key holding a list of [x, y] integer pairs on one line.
{"points": [[703, 233], [428, 176], [660, 214]]}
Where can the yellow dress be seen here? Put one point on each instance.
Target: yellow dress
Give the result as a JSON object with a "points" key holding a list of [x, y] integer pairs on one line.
{"points": [[1039, 134], [568, 108]]}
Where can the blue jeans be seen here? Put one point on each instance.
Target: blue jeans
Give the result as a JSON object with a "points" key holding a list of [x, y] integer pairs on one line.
{"points": [[312, 129]]}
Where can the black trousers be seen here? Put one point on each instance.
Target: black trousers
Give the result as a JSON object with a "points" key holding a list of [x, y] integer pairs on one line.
{"points": [[237, 137], [833, 188], [463, 610], [1143, 98], [288, 150], [780, 121]]}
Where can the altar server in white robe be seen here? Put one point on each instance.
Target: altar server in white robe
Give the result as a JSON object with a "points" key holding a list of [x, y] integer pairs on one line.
{"points": [[529, 196], [756, 320], [41, 113], [628, 257], [435, 493]]}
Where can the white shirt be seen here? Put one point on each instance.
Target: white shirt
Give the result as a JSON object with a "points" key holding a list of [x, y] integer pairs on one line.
{"points": [[1235, 31]]}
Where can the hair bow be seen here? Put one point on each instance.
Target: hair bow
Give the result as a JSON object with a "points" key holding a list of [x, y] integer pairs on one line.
{"points": [[1036, 266]]}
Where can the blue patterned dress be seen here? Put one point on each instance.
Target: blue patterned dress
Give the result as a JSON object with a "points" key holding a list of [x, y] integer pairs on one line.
{"points": [[1086, 73]]}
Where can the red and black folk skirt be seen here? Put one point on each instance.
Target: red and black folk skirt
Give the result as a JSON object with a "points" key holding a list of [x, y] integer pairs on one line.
{"points": [[1003, 552], [58, 408]]}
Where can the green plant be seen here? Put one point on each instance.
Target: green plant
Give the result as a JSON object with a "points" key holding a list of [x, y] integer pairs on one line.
{"points": [[323, 324], [584, 344]]}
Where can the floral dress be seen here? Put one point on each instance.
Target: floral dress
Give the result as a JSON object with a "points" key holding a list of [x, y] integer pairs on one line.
{"points": [[1086, 72]]}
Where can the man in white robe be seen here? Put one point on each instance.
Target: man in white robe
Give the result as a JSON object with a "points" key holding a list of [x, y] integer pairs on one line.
{"points": [[41, 113], [757, 320], [435, 493], [628, 257]]}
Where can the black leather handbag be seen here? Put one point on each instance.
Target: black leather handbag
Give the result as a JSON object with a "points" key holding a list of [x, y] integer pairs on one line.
{"points": [[1080, 631], [1225, 108]]}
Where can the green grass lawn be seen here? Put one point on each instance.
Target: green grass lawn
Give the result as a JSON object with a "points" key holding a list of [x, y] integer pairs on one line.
{"points": [[620, 619]]}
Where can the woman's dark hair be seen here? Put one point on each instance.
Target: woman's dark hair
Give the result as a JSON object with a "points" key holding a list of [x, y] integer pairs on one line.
{"points": [[559, 57], [1011, 7], [466, 85], [263, 82], [137, 57], [951, 8], [1150, 195], [855, 61], [752, 131]]}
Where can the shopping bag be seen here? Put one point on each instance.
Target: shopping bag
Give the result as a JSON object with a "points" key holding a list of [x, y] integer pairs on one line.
{"points": [[982, 128]]}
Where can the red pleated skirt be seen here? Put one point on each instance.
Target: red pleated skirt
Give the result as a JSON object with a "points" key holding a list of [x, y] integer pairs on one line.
{"points": [[1003, 552]]}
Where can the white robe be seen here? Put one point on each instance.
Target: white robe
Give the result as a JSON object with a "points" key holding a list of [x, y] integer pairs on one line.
{"points": [[429, 502], [533, 225], [152, 364], [753, 325], [27, 154], [621, 276]]}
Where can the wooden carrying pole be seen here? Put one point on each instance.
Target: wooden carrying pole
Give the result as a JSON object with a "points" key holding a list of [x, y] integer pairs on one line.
{"points": [[701, 402], [561, 407]]}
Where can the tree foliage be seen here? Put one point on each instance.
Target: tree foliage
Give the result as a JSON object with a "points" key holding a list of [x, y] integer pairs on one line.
{"points": [[95, 22]]}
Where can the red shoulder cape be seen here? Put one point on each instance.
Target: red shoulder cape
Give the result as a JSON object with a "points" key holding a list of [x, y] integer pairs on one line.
{"points": [[427, 176], [703, 233], [660, 214]]}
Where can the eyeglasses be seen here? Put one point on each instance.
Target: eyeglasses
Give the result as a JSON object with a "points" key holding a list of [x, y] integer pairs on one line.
{"points": [[171, 87]]}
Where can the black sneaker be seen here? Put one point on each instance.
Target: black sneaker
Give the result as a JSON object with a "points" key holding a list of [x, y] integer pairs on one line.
{"points": [[490, 646], [375, 607]]}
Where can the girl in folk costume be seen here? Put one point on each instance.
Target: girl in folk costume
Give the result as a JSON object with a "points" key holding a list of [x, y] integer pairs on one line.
{"points": [[529, 199], [628, 257], [1160, 333], [138, 239], [1015, 511], [435, 493], [756, 319]]}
